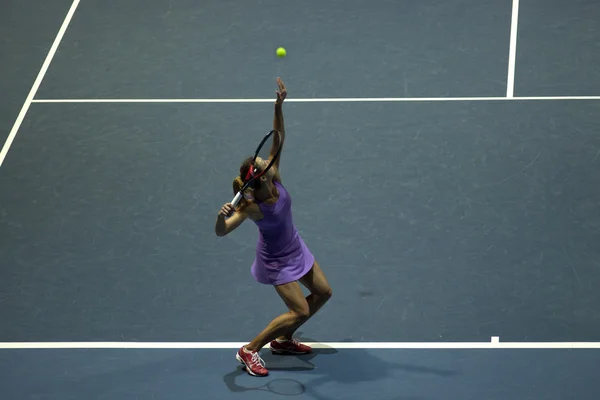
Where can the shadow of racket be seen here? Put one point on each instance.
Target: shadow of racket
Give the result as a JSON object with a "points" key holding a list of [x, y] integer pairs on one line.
{"points": [[280, 386]]}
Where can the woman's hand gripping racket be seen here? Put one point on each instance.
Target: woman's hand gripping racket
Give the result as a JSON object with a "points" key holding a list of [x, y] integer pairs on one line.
{"points": [[262, 153]]}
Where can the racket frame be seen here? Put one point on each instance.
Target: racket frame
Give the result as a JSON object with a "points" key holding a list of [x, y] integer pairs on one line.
{"points": [[253, 177]]}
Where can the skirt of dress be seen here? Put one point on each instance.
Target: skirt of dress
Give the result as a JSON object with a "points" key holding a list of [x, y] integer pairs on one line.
{"points": [[284, 268]]}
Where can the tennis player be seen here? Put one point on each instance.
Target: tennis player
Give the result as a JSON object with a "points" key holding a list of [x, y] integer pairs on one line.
{"points": [[282, 258]]}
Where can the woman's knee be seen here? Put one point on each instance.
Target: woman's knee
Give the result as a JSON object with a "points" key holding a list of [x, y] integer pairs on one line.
{"points": [[325, 292], [316, 282], [301, 313]]}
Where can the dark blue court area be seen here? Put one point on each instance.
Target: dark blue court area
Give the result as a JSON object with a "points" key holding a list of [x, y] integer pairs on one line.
{"points": [[330, 374], [471, 216]]}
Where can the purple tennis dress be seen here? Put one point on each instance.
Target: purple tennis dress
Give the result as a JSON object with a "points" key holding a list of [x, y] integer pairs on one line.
{"points": [[281, 255]]}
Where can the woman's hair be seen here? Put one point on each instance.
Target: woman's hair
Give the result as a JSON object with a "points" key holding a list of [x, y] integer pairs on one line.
{"points": [[238, 182]]}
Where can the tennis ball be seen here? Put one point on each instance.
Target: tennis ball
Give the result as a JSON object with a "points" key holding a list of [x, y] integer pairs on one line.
{"points": [[281, 52]]}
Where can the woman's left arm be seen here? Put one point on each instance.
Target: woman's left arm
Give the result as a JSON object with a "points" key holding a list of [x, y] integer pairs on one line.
{"points": [[278, 124]]}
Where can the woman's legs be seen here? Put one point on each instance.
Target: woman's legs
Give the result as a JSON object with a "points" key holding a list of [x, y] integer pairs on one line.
{"points": [[320, 292], [299, 312], [301, 308]]}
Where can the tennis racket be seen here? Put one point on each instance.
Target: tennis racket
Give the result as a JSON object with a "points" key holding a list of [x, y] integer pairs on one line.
{"points": [[263, 152]]}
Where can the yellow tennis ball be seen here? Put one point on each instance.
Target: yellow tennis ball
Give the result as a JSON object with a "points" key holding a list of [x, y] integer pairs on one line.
{"points": [[281, 52]]}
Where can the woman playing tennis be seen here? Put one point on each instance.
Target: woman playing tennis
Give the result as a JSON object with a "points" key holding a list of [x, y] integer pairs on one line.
{"points": [[282, 259]]}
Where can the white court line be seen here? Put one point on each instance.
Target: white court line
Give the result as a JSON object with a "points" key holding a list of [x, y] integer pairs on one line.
{"points": [[335, 345], [323, 100], [38, 82], [512, 54]]}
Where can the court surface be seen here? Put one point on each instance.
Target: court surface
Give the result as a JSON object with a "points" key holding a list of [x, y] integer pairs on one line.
{"points": [[442, 158]]}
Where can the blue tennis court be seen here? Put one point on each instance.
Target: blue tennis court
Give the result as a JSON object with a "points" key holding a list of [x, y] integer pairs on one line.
{"points": [[443, 162]]}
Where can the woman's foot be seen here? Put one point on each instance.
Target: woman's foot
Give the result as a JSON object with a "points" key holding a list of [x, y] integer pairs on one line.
{"points": [[290, 346], [251, 360]]}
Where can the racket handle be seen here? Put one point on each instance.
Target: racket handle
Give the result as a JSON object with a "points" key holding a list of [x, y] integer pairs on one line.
{"points": [[236, 199]]}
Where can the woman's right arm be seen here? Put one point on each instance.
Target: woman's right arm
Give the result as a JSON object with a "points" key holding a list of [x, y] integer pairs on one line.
{"points": [[224, 225]]}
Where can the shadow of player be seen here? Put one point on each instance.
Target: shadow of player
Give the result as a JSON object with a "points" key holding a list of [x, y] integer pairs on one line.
{"points": [[346, 367]]}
